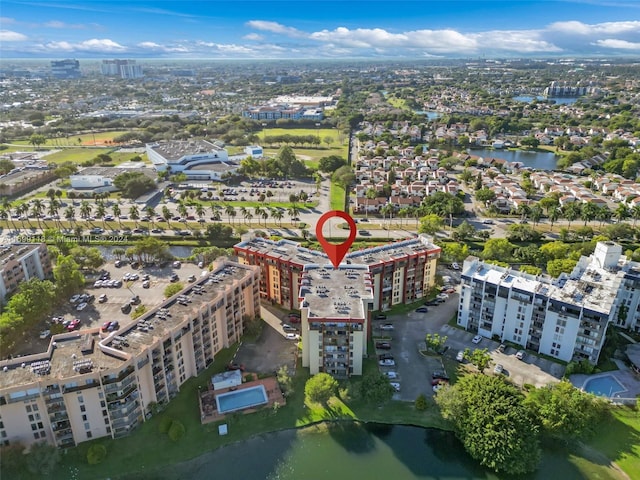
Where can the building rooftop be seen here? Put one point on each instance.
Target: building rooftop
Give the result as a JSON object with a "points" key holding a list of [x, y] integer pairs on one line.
{"points": [[335, 293], [112, 172], [175, 150], [290, 251], [15, 251]]}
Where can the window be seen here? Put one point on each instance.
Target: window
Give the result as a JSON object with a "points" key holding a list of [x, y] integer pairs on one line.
{"points": [[84, 418], [103, 404], [87, 426], [80, 399], [83, 408], [104, 413], [106, 421], [89, 435], [31, 418]]}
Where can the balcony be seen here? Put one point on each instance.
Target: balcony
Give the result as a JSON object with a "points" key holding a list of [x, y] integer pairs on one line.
{"points": [[112, 397]]}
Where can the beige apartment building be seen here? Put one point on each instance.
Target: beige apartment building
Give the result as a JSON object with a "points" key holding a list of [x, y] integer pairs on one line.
{"points": [[335, 306], [91, 384], [401, 272], [20, 262]]}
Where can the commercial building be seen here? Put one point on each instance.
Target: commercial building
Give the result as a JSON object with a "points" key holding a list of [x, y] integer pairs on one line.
{"points": [[121, 68], [20, 262], [65, 69], [100, 179], [335, 306], [197, 159], [94, 383], [565, 317], [401, 272]]}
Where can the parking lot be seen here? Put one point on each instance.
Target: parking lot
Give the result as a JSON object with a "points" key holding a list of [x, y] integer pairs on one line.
{"points": [[96, 313]]}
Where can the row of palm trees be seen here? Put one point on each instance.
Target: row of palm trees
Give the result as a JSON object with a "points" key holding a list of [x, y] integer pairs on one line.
{"points": [[586, 212], [99, 211]]}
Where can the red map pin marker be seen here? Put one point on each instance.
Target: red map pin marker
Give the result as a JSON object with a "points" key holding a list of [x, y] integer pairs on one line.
{"points": [[336, 252]]}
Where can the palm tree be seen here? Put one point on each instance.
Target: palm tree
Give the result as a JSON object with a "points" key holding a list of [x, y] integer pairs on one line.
{"points": [[570, 212], [182, 210], [621, 213], [101, 211], [249, 217], [588, 212], [293, 212], [536, 213], [244, 212], [554, 214], [265, 215], [604, 214], [54, 205], [277, 215], [200, 210], [70, 214], [258, 213], [22, 210], [3, 214], [404, 212], [85, 209], [166, 214], [230, 211], [36, 209], [635, 214], [149, 211], [134, 214]]}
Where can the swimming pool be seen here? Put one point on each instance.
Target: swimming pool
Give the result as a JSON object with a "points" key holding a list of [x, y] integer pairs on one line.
{"points": [[241, 399], [605, 386]]}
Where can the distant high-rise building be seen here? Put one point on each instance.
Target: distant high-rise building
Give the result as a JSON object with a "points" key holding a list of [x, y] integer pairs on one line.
{"points": [[68, 68], [122, 68]]}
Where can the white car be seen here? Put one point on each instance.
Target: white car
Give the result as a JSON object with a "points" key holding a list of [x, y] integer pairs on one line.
{"points": [[387, 362], [396, 386], [74, 299], [443, 296], [386, 326], [460, 356], [437, 387], [477, 339], [81, 306], [391, 375], [292, 336], [520, 355], [45, 334], [498, 369], [455, 266]]}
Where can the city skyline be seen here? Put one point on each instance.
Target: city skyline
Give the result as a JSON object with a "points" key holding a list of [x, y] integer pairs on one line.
{"points": [[321, 30]]}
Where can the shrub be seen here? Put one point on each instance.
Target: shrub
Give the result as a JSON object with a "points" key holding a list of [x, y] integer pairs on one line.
{"points": [[527, 387], [165, 424], [176, 431], [249, 377], [421, 403], [96, 454]]}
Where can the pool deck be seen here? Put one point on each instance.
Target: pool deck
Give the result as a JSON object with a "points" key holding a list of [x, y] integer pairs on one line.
{"points": [[208, 407], [629, 380]]}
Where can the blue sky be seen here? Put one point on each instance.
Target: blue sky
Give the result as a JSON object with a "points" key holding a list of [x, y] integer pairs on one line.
{"points": [[318, 29]]}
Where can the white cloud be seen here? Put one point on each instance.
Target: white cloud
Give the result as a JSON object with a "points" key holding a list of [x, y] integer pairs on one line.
{"points": [[525, 41], [149, 45], [92, 45], [620, 44], [253, 36], [276, 27], [59, 24], [9, 36], [610, 28]]}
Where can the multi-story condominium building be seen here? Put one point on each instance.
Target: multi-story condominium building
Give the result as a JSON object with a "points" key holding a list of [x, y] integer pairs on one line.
{"points": [[68, 68], [20, 262], [565, 317], [197, 159], [276, 112], [95, 383], [401, 272], [121, 68], [335, 306]]}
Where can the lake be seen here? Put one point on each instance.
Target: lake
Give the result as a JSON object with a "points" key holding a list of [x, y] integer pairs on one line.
{"points": [[557, 100], [348, 451], [429, 114], [537, 160]]}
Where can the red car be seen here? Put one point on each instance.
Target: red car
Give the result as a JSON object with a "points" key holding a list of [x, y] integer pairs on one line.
{"points": [[105, 326], [74, 325]]}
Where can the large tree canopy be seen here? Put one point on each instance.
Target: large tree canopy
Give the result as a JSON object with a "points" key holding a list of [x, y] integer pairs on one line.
{"points": [[494, 424]]}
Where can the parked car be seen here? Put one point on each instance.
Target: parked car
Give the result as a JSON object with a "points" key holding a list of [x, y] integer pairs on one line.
{"points": [[387, 363], [440, 374], [498, 369], [387, 326], [443, 296], [432, 303], [455, 266], [385, 356], [383, 345], [192, 278], [75, 299], [176, 264], [391, 375], [502, 348], [102, 298], [235, 366], [395, 385], [488, 221], [288, 328], [380, 316], [437, 387], [125, 308], [422, 310], [81, 306], [174, 277], [477, 339], [521, 354], [292, 336], [146, 284], [73, 325], [45, 334], [118, 263], [460, 356], [135, 300]]}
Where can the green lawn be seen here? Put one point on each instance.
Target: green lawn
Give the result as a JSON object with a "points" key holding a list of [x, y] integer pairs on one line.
{"points": [[79, 155], [619, 439], [336, 135], [337, 197]]}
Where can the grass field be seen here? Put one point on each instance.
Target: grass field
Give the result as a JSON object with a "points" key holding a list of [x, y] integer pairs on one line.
{"points": [[338, 137], [79, 155], [337, 197]]}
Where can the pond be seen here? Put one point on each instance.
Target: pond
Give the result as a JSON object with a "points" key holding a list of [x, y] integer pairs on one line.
{"points": [[536, 160], [557, 100], [348, 451]]}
